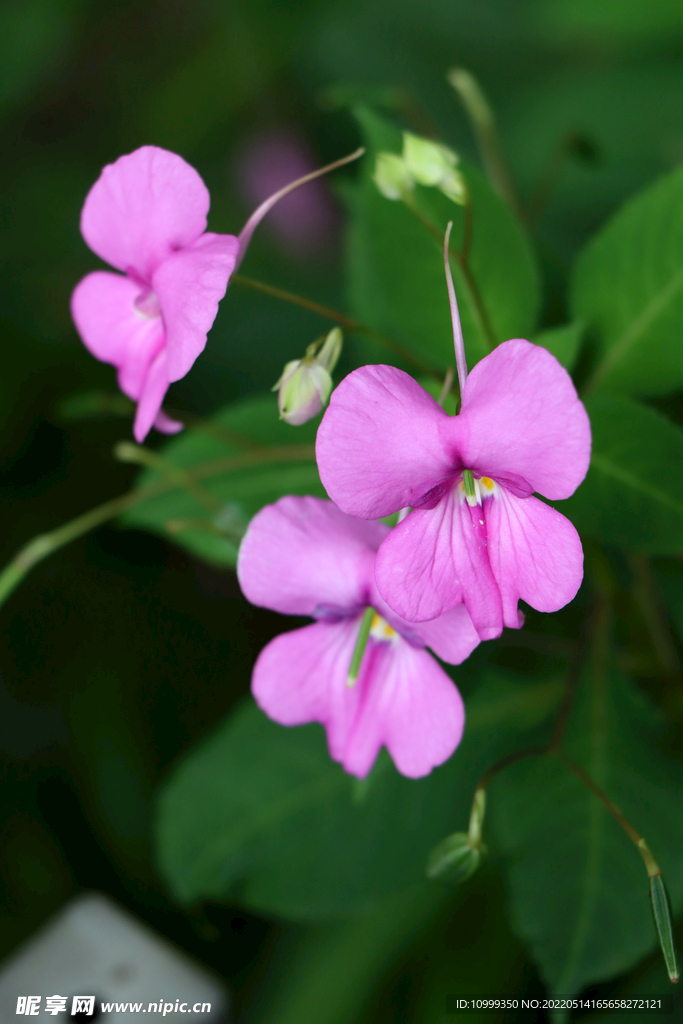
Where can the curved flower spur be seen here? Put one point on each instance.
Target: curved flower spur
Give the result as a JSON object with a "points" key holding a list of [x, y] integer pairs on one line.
{"points": [[146, 216], [475, 533], [360, 670]]}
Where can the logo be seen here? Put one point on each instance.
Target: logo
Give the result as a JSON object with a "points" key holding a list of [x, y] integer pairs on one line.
{"points": [[84, 1005], [29, 1005]]}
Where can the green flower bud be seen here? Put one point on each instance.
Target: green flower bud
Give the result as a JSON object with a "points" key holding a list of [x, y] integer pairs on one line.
{"points": [[303, 390], [305, 384], [330, 350], [662, 916], [453, 186], [453, 860], [391, 176], [428, 162], [432, 164]]}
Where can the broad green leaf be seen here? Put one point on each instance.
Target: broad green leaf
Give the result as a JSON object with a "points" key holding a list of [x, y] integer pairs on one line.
{"points": [[628, 287], [633, 494], [614, 145], [564, 342], [261, 811], [578, 887], [395, 265], [244, 458]]}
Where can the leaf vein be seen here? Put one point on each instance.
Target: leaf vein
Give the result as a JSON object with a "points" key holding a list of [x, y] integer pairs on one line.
{"points": [[637, 327], [606, 466]]}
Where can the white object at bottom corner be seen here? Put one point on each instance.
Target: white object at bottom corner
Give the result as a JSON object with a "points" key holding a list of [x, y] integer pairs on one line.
{"points": [[93, 947]]}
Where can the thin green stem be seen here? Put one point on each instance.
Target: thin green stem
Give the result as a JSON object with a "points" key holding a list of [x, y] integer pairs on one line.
{"points": [[483, 121], [126, 451], [651, 606], [477, 813], [598, 623], [361, 644], [331, 314], [98, 403], [446, 386], [45, 544], [461, 257], [275, 453], [517, 755], [478, 301], [467, 231], [600, 629], [570, 143], [638, 841], [202, 526]]}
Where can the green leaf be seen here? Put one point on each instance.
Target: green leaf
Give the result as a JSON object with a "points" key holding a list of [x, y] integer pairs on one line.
{"points": [[395, 265], [669, 576], [245, 458], [628, 287], [633, 494], [564, 342], [578, 886], [261, 811]]}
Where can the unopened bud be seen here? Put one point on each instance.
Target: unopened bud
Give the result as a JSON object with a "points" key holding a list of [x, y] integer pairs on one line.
{"points": [[329, 351], [305, 384], [392, 177], [662, 916], [431, 163], [453, 186], [454, 860], [477, 818], [425, 160]]}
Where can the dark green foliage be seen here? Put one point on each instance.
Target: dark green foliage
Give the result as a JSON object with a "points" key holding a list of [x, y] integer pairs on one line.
{"points": [[234, 459], [122, 652], [262, 811], [633, 494], [396, 275], [628, 287], [579, 890]]}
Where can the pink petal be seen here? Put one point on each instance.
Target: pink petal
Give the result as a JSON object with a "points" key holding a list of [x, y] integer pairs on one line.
{"points": [[379, 445], [303, 556], [300, 677], [410, 706], [165, 425], [102, 306], [437, 558], [451, 636], [153, 392], [402, 698], [142, 208], [535, 554], [189, 286], [522, 422]]}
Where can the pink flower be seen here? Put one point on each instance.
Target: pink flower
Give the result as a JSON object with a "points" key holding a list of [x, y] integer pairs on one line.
{"points": [[146, 216], [302, 556], [385, 444]]}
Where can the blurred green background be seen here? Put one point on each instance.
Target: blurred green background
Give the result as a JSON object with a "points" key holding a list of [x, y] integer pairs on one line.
{"points": [[120, 652]]}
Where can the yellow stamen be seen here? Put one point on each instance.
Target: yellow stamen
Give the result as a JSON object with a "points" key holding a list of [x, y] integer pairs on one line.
{"points": [[487, 482], [380, 629]]}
